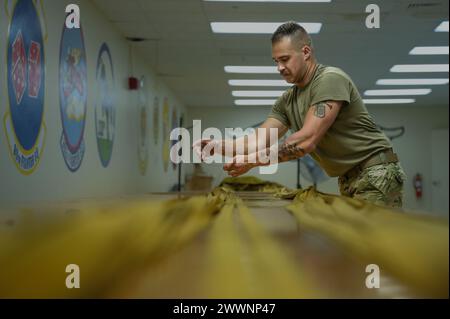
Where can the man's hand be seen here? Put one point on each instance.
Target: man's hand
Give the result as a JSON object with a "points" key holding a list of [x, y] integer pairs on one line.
{"points": [[207, 148], [239, 166]]}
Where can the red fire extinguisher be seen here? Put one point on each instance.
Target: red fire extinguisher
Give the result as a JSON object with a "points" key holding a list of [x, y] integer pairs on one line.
{"points": [[418, 185]]}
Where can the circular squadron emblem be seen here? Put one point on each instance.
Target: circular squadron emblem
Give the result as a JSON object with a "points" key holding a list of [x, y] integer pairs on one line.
{"points": [[25, 63], [105, 111], [165, 127], [174, 126], [143, 131], [72, 96]]}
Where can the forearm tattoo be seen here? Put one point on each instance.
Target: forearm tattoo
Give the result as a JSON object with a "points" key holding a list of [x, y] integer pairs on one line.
{"points": [[288, 152]]}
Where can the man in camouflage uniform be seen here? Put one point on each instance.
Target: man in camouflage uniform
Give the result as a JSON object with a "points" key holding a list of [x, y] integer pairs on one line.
{"points": [[330, 121]]}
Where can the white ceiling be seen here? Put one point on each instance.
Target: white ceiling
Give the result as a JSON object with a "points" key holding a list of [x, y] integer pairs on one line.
{"points": [[185, 53]]}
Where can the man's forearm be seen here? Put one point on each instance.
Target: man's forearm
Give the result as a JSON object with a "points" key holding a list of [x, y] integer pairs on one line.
{"points": [[245, 145], [297, 145], [280, 153], [235, 147], [289, 152]]}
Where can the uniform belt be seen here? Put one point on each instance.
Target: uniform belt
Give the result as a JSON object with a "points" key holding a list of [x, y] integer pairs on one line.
{"points": [[383, 157]]}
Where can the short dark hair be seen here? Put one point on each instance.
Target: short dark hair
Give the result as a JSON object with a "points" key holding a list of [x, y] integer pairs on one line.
{"points": [[294, 31]]}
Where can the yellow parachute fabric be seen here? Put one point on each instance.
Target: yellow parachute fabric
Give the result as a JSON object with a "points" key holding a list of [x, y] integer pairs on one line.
{"points": [[413, 248], [236, 256]]}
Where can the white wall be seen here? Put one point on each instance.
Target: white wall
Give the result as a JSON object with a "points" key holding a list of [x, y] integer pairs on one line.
{"points": [[413, 148], [52, 180]]}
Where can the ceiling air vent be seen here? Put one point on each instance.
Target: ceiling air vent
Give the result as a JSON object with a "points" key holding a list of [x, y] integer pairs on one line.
{"points": [[418, 5], [427, 10]]}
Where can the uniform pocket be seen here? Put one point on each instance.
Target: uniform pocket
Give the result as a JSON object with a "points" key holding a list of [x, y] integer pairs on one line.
{"points": [[381, 177], [387, 178], [400, 175]]}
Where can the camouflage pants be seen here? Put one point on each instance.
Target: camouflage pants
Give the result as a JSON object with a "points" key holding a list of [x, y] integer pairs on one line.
{"points": [[379, 184]]}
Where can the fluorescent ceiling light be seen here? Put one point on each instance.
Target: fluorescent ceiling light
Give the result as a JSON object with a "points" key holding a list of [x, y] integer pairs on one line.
{"points": [[429, 51], [420, 68], [388, 101], [258, 83], [258, 27], [257, 93], [268, 0], [412, 81], [250, 69], [397, 92], [254, 102], [443, 27]]}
